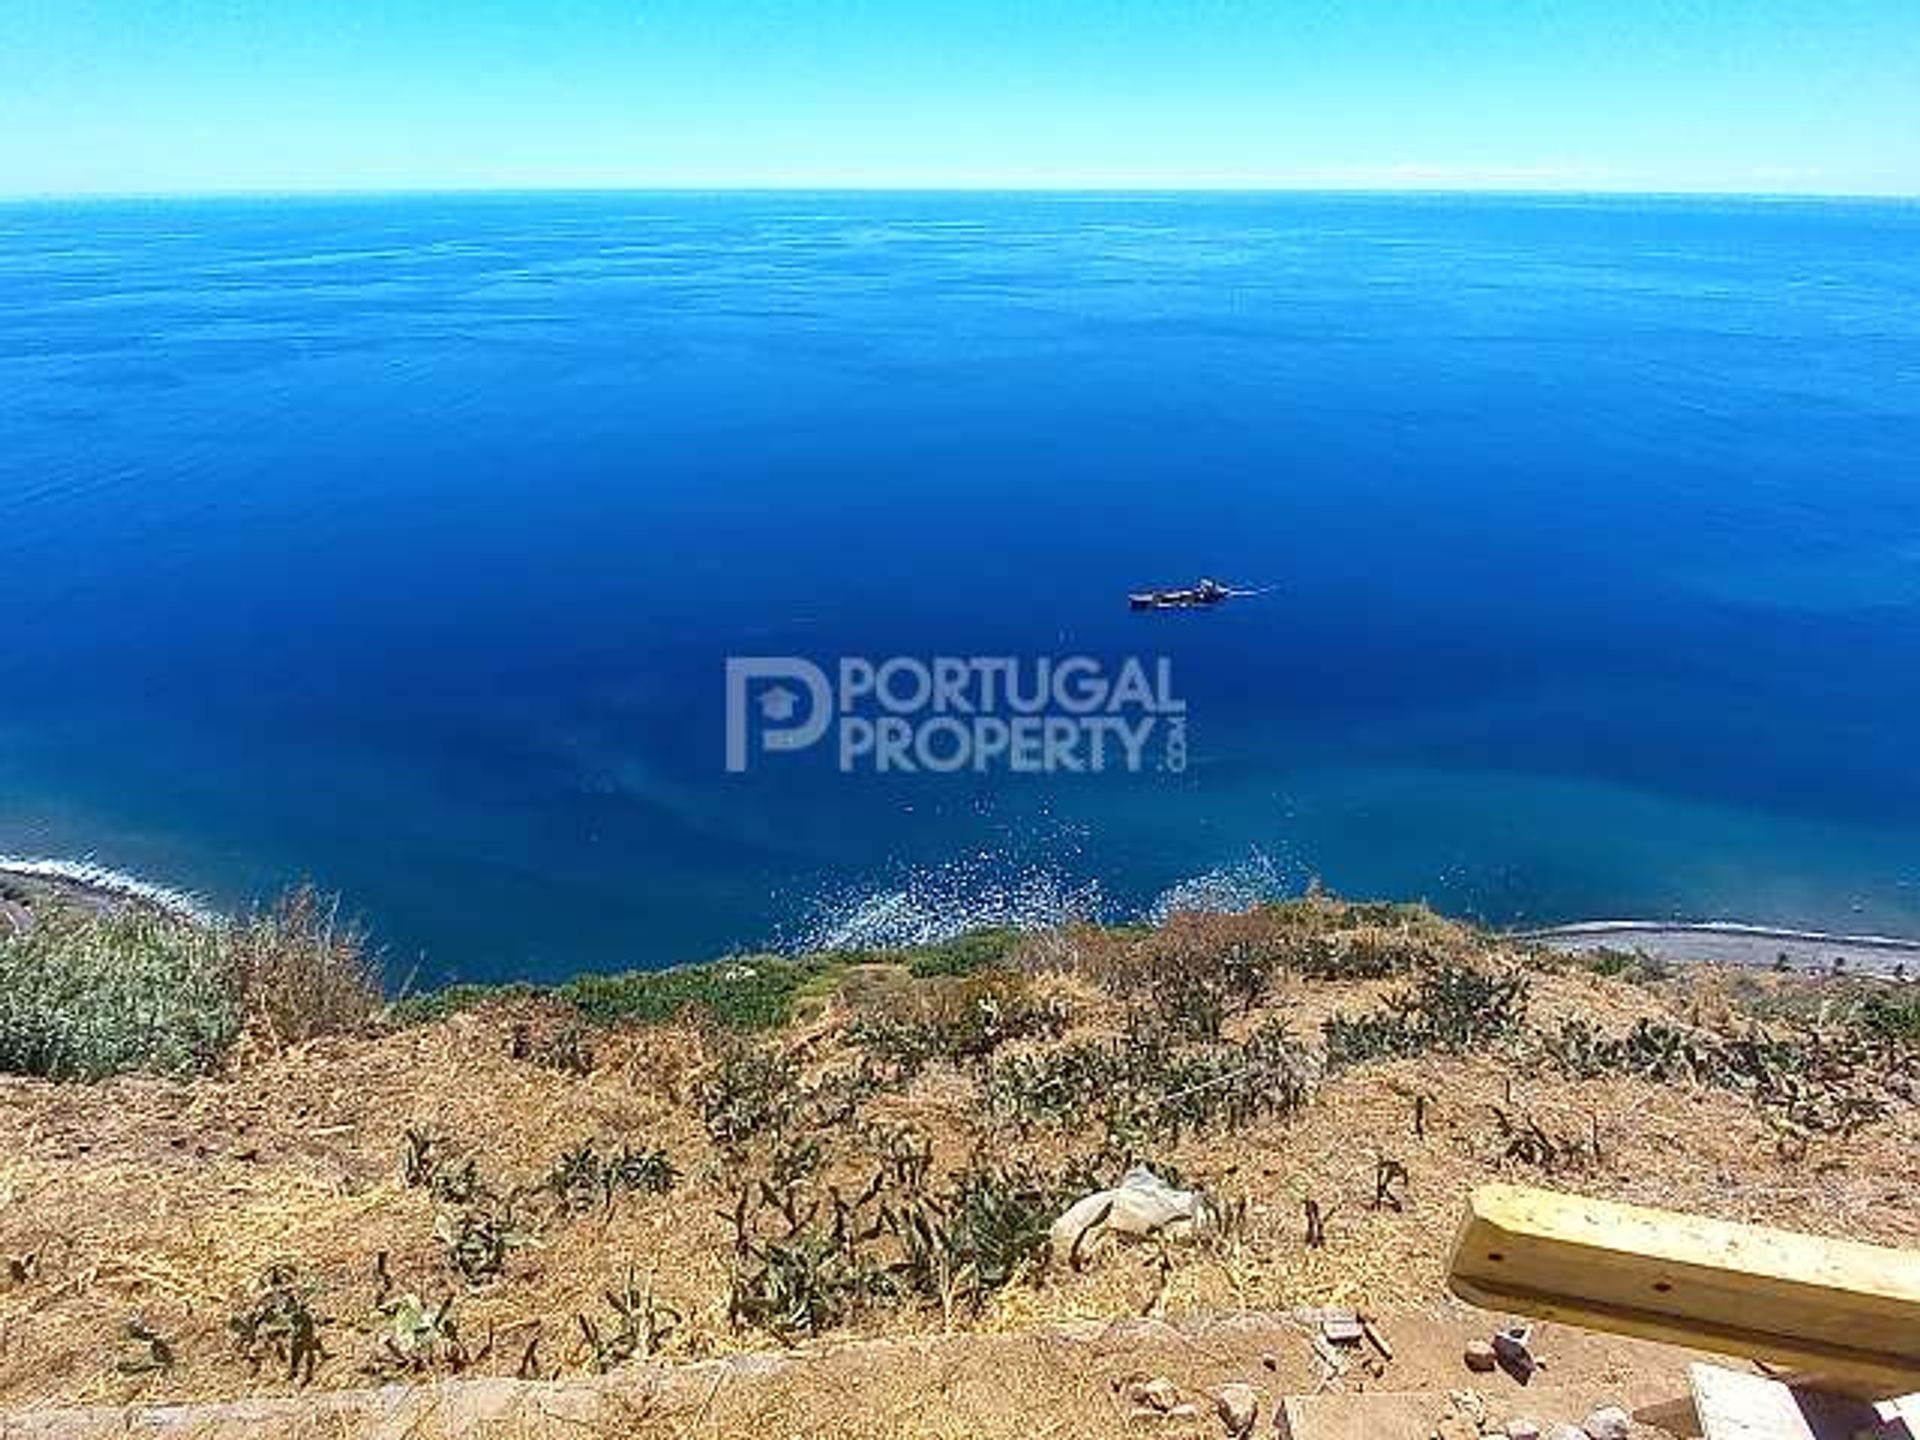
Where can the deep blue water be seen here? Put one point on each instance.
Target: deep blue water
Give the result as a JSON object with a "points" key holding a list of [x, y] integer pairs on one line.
{"points": [[398, 543]]}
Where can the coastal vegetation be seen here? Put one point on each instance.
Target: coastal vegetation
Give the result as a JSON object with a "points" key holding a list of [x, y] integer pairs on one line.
{"points": [[92, 990], [568, 1179], [89, 995], [742, 992]]}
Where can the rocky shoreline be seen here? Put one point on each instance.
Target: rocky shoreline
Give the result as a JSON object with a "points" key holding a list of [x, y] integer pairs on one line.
{"points": [[26, 883], [96, 887], [1716, 942]]}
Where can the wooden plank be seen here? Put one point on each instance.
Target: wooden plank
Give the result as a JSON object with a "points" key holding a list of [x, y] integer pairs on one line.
{"points": [[1734, 1405], [1845, 1315]]}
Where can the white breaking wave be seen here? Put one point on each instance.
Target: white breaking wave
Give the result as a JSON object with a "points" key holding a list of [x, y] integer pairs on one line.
{"points": [[940, 902], [1259, 879], [93, 875]]}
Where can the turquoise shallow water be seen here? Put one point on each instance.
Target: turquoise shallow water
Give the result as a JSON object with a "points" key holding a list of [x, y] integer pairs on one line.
{"points": [[400, 543]]}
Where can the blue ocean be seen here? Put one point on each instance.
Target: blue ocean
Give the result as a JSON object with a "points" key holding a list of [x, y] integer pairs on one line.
{"points": [[400, 544]]}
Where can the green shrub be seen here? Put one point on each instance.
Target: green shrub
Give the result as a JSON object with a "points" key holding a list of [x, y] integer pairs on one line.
{"points": [[430, 1005], [755, 992], [88, 995], [751, 1091], [1631, 965], [1818, 1079], [963, 954], [957, 1020], [751, 992], [1453, 1008], [280, 1325], [585, 1179], [1151, 1086], [1892, 1019], [640, 1325], [806, 1261], [991, 1226]]}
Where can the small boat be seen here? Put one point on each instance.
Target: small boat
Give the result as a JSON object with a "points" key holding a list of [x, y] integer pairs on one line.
{"points": [[1193, 597]]}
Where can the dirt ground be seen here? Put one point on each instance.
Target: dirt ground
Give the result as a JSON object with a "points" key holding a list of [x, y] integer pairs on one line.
{"points": [[138, 1215], [1079, 1381]]}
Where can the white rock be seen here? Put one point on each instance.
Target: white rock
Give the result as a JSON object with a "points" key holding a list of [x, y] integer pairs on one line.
{"points": [[1471, 1405], [1342, 1330], [1159, 1394], [1142, 1204], [1566, 1432], [1238, 1407], [1609, 1422], [1519, 1429]]}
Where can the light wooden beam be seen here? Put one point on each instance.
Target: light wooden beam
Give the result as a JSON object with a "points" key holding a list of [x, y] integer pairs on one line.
{"points": [[1842, 1314]]}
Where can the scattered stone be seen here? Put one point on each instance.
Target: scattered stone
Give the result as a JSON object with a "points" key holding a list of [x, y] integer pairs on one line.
{"points": [[1342, 1330], [1333, 1364], [1456, 1427], [1522, 1429], [1609, 1422], [1238, 1407], [1480, 1357], [1566, 1432], [1158, 1394], [1513, 1348], [1141, 1205], [1470, 1404], [1376, 1337]]}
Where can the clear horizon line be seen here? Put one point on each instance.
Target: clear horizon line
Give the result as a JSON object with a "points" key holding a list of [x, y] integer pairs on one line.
{"points": [[1116, 190]]}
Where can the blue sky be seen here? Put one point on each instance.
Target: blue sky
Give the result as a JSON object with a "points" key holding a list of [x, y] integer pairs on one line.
{"points": [[199, 95]]}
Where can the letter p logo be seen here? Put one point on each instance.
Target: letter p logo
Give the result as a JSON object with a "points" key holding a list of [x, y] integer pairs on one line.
{"points": [[793, 701]]}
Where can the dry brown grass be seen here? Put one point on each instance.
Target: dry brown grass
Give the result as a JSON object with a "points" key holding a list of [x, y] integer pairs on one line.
{"points": [[301, 969], [169, 1199], [1010, 1386]]}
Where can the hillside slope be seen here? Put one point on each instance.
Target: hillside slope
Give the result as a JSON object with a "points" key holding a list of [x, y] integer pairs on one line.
{"points": [[542, 1185]]}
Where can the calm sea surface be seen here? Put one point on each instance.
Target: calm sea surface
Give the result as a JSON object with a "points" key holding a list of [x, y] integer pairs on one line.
{"points": [[399, 543]]}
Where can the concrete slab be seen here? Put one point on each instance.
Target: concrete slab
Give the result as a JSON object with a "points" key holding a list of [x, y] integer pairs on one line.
{"points": [[1736, 1405]]}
